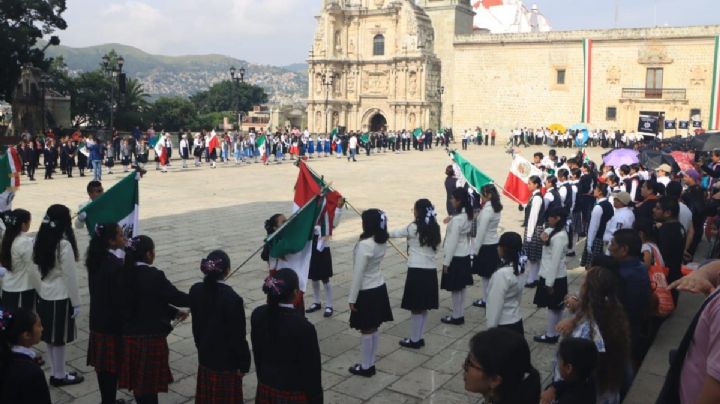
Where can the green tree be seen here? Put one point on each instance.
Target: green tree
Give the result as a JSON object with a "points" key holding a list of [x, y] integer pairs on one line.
{"points": [[131, 106], [22, 23], [90, 95], [172, 113], [209, 120], [229, 96]]}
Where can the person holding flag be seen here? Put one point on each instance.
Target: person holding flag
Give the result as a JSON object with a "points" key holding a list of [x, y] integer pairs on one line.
{"points": [[212, 145]]}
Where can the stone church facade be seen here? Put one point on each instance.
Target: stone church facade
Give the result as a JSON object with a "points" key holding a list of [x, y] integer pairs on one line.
{"points": [[402, 64]]}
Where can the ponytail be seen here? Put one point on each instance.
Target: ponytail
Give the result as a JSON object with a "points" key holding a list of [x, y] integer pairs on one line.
{"points": [[513, 254], [14, 221], [490, 191], [427, 225], [99, 244], [461, 195], [560, 225]]}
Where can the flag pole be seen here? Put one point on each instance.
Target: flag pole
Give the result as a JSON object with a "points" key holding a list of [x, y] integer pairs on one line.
{"points": [[399, 251]]}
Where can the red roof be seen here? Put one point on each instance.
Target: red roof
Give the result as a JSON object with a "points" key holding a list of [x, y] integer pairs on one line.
{"points": [[487, 3]]}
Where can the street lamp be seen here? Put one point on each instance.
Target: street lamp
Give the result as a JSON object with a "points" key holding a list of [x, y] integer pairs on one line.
{"points": [[328, 81], [441, 91], [44, 80], [113, 68], [238, 77]]}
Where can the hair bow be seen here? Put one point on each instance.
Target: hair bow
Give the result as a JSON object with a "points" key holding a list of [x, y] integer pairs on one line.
{"points": [[132, 243], [429, 214], [273, 285], [10, 219], [99, 228], [51, 223], [211, 266], [522, 258], [5, 317], [383, 220]]}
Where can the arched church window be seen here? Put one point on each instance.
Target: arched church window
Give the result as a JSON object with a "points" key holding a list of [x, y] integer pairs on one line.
{"points": [[379, 45]]}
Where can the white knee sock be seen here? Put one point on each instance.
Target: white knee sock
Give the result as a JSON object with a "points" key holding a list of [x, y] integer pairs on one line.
{"points": [[486, 286], [458, 300], [552, 322], [328, 295], [375, 345], [367, 351], [424, 317], [316, 291], [533, 268], [416, 327], [57, 360]]}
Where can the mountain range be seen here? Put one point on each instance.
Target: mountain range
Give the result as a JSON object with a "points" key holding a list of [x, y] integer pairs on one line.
{"points": [[186, 75]]}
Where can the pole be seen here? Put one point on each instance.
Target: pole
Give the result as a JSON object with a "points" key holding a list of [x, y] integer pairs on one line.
{"points": [[112, 98]]}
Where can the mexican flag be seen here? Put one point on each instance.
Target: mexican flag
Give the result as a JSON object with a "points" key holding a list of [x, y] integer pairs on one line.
{"points": [[418, 132], [516, 184], [334, 133], [213, 143], [119, 204], [153, 141], [261, 144], [291, 244], [471, 174], [82, 148], [161, 151], [10, 169], [307, 186], [365, 138]]}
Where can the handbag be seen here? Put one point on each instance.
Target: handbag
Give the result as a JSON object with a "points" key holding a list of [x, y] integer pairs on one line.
{"points": [[662, 303]]}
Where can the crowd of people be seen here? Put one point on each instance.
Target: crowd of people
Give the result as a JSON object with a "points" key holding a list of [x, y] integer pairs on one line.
{"points": [[637, 229]]}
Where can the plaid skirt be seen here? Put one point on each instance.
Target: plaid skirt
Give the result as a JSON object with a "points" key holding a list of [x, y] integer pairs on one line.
{"points": [[218, 387], [533, 248], [144, 368], [597, 249], [104, 352], [268, 395]]}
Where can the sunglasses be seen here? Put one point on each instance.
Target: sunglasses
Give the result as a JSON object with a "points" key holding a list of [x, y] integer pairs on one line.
{"points": [[469, 364]]}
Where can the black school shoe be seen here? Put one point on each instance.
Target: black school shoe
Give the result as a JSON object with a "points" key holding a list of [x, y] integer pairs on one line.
{"points": [[453, 321], [313, 308], [357, 370], [544, 339], [479, 303], [408, 343], [532, 285], [328, 312], [69, 380]]}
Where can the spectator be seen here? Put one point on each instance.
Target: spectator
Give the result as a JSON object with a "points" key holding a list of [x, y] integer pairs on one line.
{"points": [[577, 359], [694, 198], [623, 217], [644, 209], [671, 237]]}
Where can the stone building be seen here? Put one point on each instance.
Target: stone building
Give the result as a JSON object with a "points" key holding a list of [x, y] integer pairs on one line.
{"points": [[419, 63], [35, 107]]}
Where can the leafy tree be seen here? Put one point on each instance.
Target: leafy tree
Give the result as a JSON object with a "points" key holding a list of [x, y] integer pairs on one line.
{"points": [[229, 96], [131, 106], [22, 23], [172, 113], [90, 99], [210, 120]]}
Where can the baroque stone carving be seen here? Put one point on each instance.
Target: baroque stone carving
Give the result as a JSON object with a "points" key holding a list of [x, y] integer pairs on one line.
{"points": [[412, 85], [613, 75], [654, 54], [697, 75]]}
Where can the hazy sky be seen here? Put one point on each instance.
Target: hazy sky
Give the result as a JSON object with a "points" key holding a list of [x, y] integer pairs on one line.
{"points": [[280, 32]]}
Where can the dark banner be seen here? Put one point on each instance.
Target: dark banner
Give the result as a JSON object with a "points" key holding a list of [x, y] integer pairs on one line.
{"points": [[648, 124], [684, 124], [670, 124], [697, 124]]}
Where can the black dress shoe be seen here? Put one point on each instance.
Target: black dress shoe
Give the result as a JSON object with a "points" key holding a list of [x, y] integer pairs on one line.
{"points": [[479, 303], [328, 312], [570, 254], [69, 380], [544, 339], [453, 321], [531, 285], [313, 308], [408, 343], [357, 369]]}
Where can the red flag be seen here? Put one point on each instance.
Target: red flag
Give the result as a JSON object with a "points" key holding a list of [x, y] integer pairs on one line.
{"points": [[306, 187]]}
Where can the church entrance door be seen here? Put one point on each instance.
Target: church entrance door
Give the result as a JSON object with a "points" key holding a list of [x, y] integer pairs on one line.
{"points": [[377, 123]]}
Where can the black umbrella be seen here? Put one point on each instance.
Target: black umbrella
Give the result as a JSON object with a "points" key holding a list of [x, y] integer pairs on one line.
{"points": [[652, 159], [706, 142]]}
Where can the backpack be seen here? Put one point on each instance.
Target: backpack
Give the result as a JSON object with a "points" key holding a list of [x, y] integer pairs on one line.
{"points": [[662, 303]]}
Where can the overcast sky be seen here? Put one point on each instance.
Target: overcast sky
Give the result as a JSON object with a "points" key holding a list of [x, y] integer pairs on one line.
{"points": [[280, 32]]}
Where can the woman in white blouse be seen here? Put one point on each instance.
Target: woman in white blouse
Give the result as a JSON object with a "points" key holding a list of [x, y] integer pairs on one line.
{"points": [[421, 283], [485, 242], [16, 256], [55, 253], [368, 295], [456, 269], [507, 285], [552, 286]]}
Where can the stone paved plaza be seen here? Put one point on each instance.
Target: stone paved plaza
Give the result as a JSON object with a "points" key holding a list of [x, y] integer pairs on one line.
{"points": [[191, 212]]}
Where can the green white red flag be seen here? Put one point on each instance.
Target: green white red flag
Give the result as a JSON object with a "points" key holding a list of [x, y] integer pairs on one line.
{"points": [[10, 167], [120, 204]]}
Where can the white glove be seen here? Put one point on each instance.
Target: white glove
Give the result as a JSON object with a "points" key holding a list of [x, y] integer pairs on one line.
{"points": [[3, 271], [76, 311]]}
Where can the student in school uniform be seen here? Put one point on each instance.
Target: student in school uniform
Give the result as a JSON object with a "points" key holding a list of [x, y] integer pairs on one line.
{"points": [[552, 287], [507, 285], [94, 190], [184, 150], [218, 325], [22, 380], [368, 295], [599, 218], [568, 192], [421, 284], [285, 346], [104, 262], [148, 303], [271, 225], [321, 267], [456, 268], [16, 255], [55, 253], [49, 159], [485, 241], [534, 220]]}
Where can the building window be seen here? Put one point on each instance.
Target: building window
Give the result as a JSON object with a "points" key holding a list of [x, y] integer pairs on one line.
{"points": [[695, 113], [611, 113], [379, 45], [560, 76], [654, 82]]}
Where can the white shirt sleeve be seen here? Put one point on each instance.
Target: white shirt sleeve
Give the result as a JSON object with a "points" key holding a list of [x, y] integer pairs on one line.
{"points": [[69, 271], [400, 233], [496, 299], [595, 218], [532, 220], [452, 237], [359, 264], [557, 254], [483, 222]]}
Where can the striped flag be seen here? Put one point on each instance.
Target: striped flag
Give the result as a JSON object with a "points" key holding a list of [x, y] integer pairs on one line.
{"points": [[516, 184], [10, 169], [471, 174], [120, 204], [587, 72], [715, 97]]}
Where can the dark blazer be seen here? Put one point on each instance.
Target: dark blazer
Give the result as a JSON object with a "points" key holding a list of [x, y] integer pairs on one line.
{"points": [[581, 392], [23, 382], [286, 351], [148, 297], [218, 324], [104, 304]]}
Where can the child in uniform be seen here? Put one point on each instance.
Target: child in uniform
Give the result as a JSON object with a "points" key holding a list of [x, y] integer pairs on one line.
{"points": [[456, 274], [321, 267], [16, 255], [485, 241]]}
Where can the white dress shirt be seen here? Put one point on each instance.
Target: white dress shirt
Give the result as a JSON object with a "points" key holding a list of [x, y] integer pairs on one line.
{"points": [[418, 256], [487, 224], [535, 204], [24, 275], [366, 267], [552, 263], [685, 217], [457, 238], [622, 219], [504, 296], [594, 226], [353, 142], [61, 282]]}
